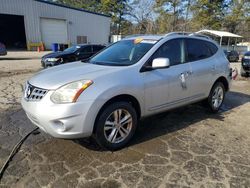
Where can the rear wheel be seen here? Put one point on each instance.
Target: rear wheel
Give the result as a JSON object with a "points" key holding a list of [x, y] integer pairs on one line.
{"points": [[216, 97], [116, 125]]}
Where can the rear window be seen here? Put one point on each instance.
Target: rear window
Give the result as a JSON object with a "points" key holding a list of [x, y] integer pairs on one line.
{"points": [[199, 49], [97, 48], [86, 49]]}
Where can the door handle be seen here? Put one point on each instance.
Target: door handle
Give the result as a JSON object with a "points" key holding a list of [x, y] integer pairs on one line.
{"points": [[183, 80], [185, 74]]}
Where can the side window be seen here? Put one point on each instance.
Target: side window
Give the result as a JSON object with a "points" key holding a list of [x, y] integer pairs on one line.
{"points": [[197, 49], [86, 49], [173, 50], [213, 49], [97, 48]]}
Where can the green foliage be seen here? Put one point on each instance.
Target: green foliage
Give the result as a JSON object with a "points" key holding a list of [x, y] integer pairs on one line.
{"points": [[236, 14], [171, 14], [114, 8], [162, 16], [208, 14]]}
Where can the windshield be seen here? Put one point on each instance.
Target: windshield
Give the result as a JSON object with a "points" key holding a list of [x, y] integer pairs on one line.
{"points": [[72, 49], [123, 53]]}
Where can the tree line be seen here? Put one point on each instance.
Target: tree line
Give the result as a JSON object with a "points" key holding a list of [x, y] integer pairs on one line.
{"points": [[163, 16]]}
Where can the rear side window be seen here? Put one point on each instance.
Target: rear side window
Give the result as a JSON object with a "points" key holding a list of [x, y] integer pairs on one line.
{"points": [[213, 48], [199, 49]]}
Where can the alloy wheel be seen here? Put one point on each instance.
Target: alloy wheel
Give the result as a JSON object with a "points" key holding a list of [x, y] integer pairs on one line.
{"points": [[217, 97], [118, 126]]}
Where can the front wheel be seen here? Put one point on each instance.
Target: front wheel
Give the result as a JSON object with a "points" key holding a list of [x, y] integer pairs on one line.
{"points": [[116, 125], [216, 97], [243, 73]]}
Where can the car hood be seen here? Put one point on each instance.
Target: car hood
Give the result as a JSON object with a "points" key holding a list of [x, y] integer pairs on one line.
{"points": [[55, 77], [56, 54]]}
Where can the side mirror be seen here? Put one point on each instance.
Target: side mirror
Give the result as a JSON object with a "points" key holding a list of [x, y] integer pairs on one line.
{"points": [[160, 63]]}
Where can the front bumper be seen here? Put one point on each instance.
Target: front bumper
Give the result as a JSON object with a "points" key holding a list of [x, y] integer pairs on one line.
{"points": [[70, 121], [46, 64], [245, 65], [2, 53]]}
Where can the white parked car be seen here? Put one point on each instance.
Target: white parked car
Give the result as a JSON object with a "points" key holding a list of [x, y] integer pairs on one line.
{"points": [[131, 79]]}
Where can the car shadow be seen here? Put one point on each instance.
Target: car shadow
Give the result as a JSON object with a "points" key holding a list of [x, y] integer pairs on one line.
{"points": [[18, 58], [174, 120]]}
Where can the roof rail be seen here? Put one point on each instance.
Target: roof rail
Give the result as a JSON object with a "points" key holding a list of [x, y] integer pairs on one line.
{"points": [[177, 33], [199, 35], [187, 34]]}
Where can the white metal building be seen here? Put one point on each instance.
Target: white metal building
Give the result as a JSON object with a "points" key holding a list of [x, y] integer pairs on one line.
{"points": [[23, 21]]}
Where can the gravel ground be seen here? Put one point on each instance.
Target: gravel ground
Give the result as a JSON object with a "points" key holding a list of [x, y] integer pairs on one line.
{"points": [[187, 147]]}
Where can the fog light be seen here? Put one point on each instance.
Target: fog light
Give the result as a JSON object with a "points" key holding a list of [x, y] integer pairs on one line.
{"points": [[59, 125]]}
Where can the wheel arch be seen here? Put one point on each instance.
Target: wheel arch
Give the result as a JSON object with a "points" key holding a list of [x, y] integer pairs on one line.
{"points": [[224, 81], [120, 98]]}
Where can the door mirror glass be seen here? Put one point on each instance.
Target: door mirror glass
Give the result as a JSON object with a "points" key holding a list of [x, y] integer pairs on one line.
{"points": [[160, 63]]}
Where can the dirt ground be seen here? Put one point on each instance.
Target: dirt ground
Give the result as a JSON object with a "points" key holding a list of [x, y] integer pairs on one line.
{"points": [[187, 147]]}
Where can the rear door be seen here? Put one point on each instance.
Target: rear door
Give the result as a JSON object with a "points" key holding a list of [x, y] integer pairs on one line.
{"points": [[203, 67]]}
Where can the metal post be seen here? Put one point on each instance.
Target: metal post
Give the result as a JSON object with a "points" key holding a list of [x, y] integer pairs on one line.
{"points": [[220, 41], [235, 43], [228, 43]]}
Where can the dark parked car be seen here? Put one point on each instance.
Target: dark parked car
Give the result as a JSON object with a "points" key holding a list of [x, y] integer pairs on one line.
{"points": [[3, 50], [74, 53], [245, 65], [232, 56]]}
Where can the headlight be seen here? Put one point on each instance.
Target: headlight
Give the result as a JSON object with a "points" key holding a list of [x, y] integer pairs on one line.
{"points": [[53, 59], [69, 93]]}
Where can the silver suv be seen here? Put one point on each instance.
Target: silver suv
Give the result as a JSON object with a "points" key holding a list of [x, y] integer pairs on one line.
{"points": [[129, 80]]}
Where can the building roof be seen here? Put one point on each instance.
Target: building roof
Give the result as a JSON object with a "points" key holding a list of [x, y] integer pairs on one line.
{"points": [[219, 33], [69, 7]]}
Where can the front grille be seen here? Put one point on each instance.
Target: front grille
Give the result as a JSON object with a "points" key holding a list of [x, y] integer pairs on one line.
{"points": [[33, 93], [246, 68]]}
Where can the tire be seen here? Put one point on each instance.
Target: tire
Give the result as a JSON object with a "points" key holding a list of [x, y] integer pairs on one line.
{"points": [[243, 73], [216, 97], [110, 134]]}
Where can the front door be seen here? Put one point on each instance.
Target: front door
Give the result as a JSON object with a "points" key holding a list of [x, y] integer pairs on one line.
{"points": [[170, 87]]}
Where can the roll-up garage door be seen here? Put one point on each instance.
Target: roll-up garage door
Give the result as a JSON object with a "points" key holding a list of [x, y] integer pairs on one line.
{"points": [[53, 31]]}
